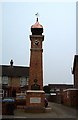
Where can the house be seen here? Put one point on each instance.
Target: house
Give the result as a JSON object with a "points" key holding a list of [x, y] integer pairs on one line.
{"points": [[59, 87], [14, 79], [75, 71], [70, 96], [56, 92]]}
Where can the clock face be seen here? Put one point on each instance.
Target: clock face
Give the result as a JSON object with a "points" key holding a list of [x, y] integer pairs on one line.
{"points": [[36, 42]]}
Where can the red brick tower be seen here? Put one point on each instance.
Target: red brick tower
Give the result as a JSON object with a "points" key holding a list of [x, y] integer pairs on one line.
{"points": [[35, 94], [36, 67]]}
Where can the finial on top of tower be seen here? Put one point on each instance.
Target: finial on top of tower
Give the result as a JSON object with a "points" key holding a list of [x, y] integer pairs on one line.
{"points": [[37, 15], [37, 24]]}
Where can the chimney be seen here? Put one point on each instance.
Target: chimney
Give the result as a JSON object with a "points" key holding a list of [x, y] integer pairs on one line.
{"points": [[11, 63]]}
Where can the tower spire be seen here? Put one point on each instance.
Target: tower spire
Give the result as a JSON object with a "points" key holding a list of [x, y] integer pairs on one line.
{"points": [[37, 19], [37, 28]]}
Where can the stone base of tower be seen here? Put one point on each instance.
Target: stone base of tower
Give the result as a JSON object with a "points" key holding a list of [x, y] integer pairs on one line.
{"points": [[35, 101]]}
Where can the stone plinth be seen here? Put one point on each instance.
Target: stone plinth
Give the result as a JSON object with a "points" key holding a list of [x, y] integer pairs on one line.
{"points": [[35, 101]]}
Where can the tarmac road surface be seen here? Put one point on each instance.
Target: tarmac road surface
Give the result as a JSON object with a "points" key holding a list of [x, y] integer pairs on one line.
{"points": [[54, 110]]}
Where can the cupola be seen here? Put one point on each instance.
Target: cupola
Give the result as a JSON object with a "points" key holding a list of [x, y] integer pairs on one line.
{"points": [[37, 28]]}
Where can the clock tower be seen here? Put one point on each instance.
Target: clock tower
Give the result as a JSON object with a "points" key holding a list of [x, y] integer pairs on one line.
{"points": [[36, 65], [35, 95]]}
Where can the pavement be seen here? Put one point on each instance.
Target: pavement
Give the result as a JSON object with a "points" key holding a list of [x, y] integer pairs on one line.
{"points": [[54, 110]]}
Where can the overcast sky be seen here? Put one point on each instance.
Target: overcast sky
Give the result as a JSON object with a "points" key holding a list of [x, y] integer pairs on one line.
{"points": [[59, 45]]}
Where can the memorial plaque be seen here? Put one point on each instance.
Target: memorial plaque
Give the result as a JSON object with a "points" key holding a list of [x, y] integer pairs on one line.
{"points": [[35, 100]]}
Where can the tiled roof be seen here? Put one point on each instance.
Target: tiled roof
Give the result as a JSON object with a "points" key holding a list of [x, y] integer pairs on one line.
{"points": [[15, 71], [60, 85]]}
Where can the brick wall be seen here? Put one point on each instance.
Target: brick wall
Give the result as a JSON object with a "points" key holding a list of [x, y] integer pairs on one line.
{"points": [[70, 97], [14, 82]]}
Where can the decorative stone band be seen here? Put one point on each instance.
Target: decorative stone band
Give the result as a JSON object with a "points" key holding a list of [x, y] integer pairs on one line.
{"points": [[37, 37], [36, 49], [36, 91]]}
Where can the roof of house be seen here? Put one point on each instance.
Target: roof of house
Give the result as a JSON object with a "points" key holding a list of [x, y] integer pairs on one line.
{"points": [[75, 63], [14, 71], [60, 85]]}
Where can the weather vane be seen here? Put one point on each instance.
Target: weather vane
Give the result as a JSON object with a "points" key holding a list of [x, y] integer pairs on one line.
{"points": [[37, 15]]}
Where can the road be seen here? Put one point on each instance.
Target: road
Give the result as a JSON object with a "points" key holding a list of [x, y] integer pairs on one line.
{"points": [[54, 111]]}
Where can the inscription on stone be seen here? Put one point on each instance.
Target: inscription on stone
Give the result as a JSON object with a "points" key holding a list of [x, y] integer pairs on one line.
{"points": [[35, 100]]}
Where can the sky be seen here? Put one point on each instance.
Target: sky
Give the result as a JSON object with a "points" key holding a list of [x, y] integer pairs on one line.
{"points": [[59, 45], [77, 27]]}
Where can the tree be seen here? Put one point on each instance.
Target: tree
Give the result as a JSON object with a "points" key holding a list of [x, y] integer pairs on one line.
{"points": [[46, 89]]}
